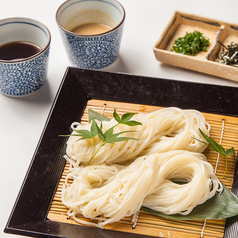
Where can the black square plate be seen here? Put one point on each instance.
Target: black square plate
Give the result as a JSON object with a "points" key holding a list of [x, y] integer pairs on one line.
{"points": [[29, 214]]}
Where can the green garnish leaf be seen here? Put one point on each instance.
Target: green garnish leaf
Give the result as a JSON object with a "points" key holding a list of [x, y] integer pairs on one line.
{"points": [[85, 134], [94, 128], [100, 132], [220, 206], [191, 43], [116, 116], [97, 116], [217, 148], [127, 116], [213, 144], [114, 137], [109, 132], [230, 151], [108, 136], [125, 119]]}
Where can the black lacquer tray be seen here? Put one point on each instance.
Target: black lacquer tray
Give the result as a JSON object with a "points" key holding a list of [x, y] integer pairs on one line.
{"points": [[29, 214]]}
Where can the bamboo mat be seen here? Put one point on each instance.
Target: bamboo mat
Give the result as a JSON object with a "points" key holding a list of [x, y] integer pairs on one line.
{"points": [[153, 225]]}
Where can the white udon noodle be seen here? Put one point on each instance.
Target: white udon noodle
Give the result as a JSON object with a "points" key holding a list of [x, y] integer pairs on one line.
{"points": [[107, 194], [161, 131]]}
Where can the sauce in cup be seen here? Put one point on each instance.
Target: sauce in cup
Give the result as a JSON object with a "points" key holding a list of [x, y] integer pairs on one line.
{"points": [[91, 29], [18, 50]]}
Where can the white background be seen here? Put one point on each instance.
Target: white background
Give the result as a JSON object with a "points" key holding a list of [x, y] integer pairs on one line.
{"points": [[22, 119]]}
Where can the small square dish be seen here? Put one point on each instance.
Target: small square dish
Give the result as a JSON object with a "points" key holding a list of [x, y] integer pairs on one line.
{"points": [[205, 61]]}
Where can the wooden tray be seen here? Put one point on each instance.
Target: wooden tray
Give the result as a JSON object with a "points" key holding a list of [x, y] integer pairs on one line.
{"points": [[203, 62], [33, 213]]}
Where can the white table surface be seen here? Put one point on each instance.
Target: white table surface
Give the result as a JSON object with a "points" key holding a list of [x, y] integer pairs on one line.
{"points": [[22, 119]]}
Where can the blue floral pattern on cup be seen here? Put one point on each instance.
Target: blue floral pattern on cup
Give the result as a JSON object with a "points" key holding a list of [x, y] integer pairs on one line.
{"points": [[26, 77], [93, 52]]}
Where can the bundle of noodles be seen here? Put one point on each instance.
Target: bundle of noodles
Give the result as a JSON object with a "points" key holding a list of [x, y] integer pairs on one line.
{"points": [[161, 131], [109, 193]]}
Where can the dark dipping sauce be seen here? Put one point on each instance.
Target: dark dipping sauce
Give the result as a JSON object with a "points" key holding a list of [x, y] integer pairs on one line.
{"points": [[18, 50]]}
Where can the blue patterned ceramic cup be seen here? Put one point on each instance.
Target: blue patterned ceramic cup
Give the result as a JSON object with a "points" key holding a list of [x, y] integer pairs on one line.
{"points": [[91, 50], [26, 75]]}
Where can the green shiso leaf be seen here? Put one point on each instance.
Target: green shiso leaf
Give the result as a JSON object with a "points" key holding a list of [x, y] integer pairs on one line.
{"points": [[97, 116], [220, 206], [126, 119]]}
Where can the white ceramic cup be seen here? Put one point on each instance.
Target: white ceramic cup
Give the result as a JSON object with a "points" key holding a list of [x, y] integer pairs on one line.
{"points": [[91, 51], [24, 76]]}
